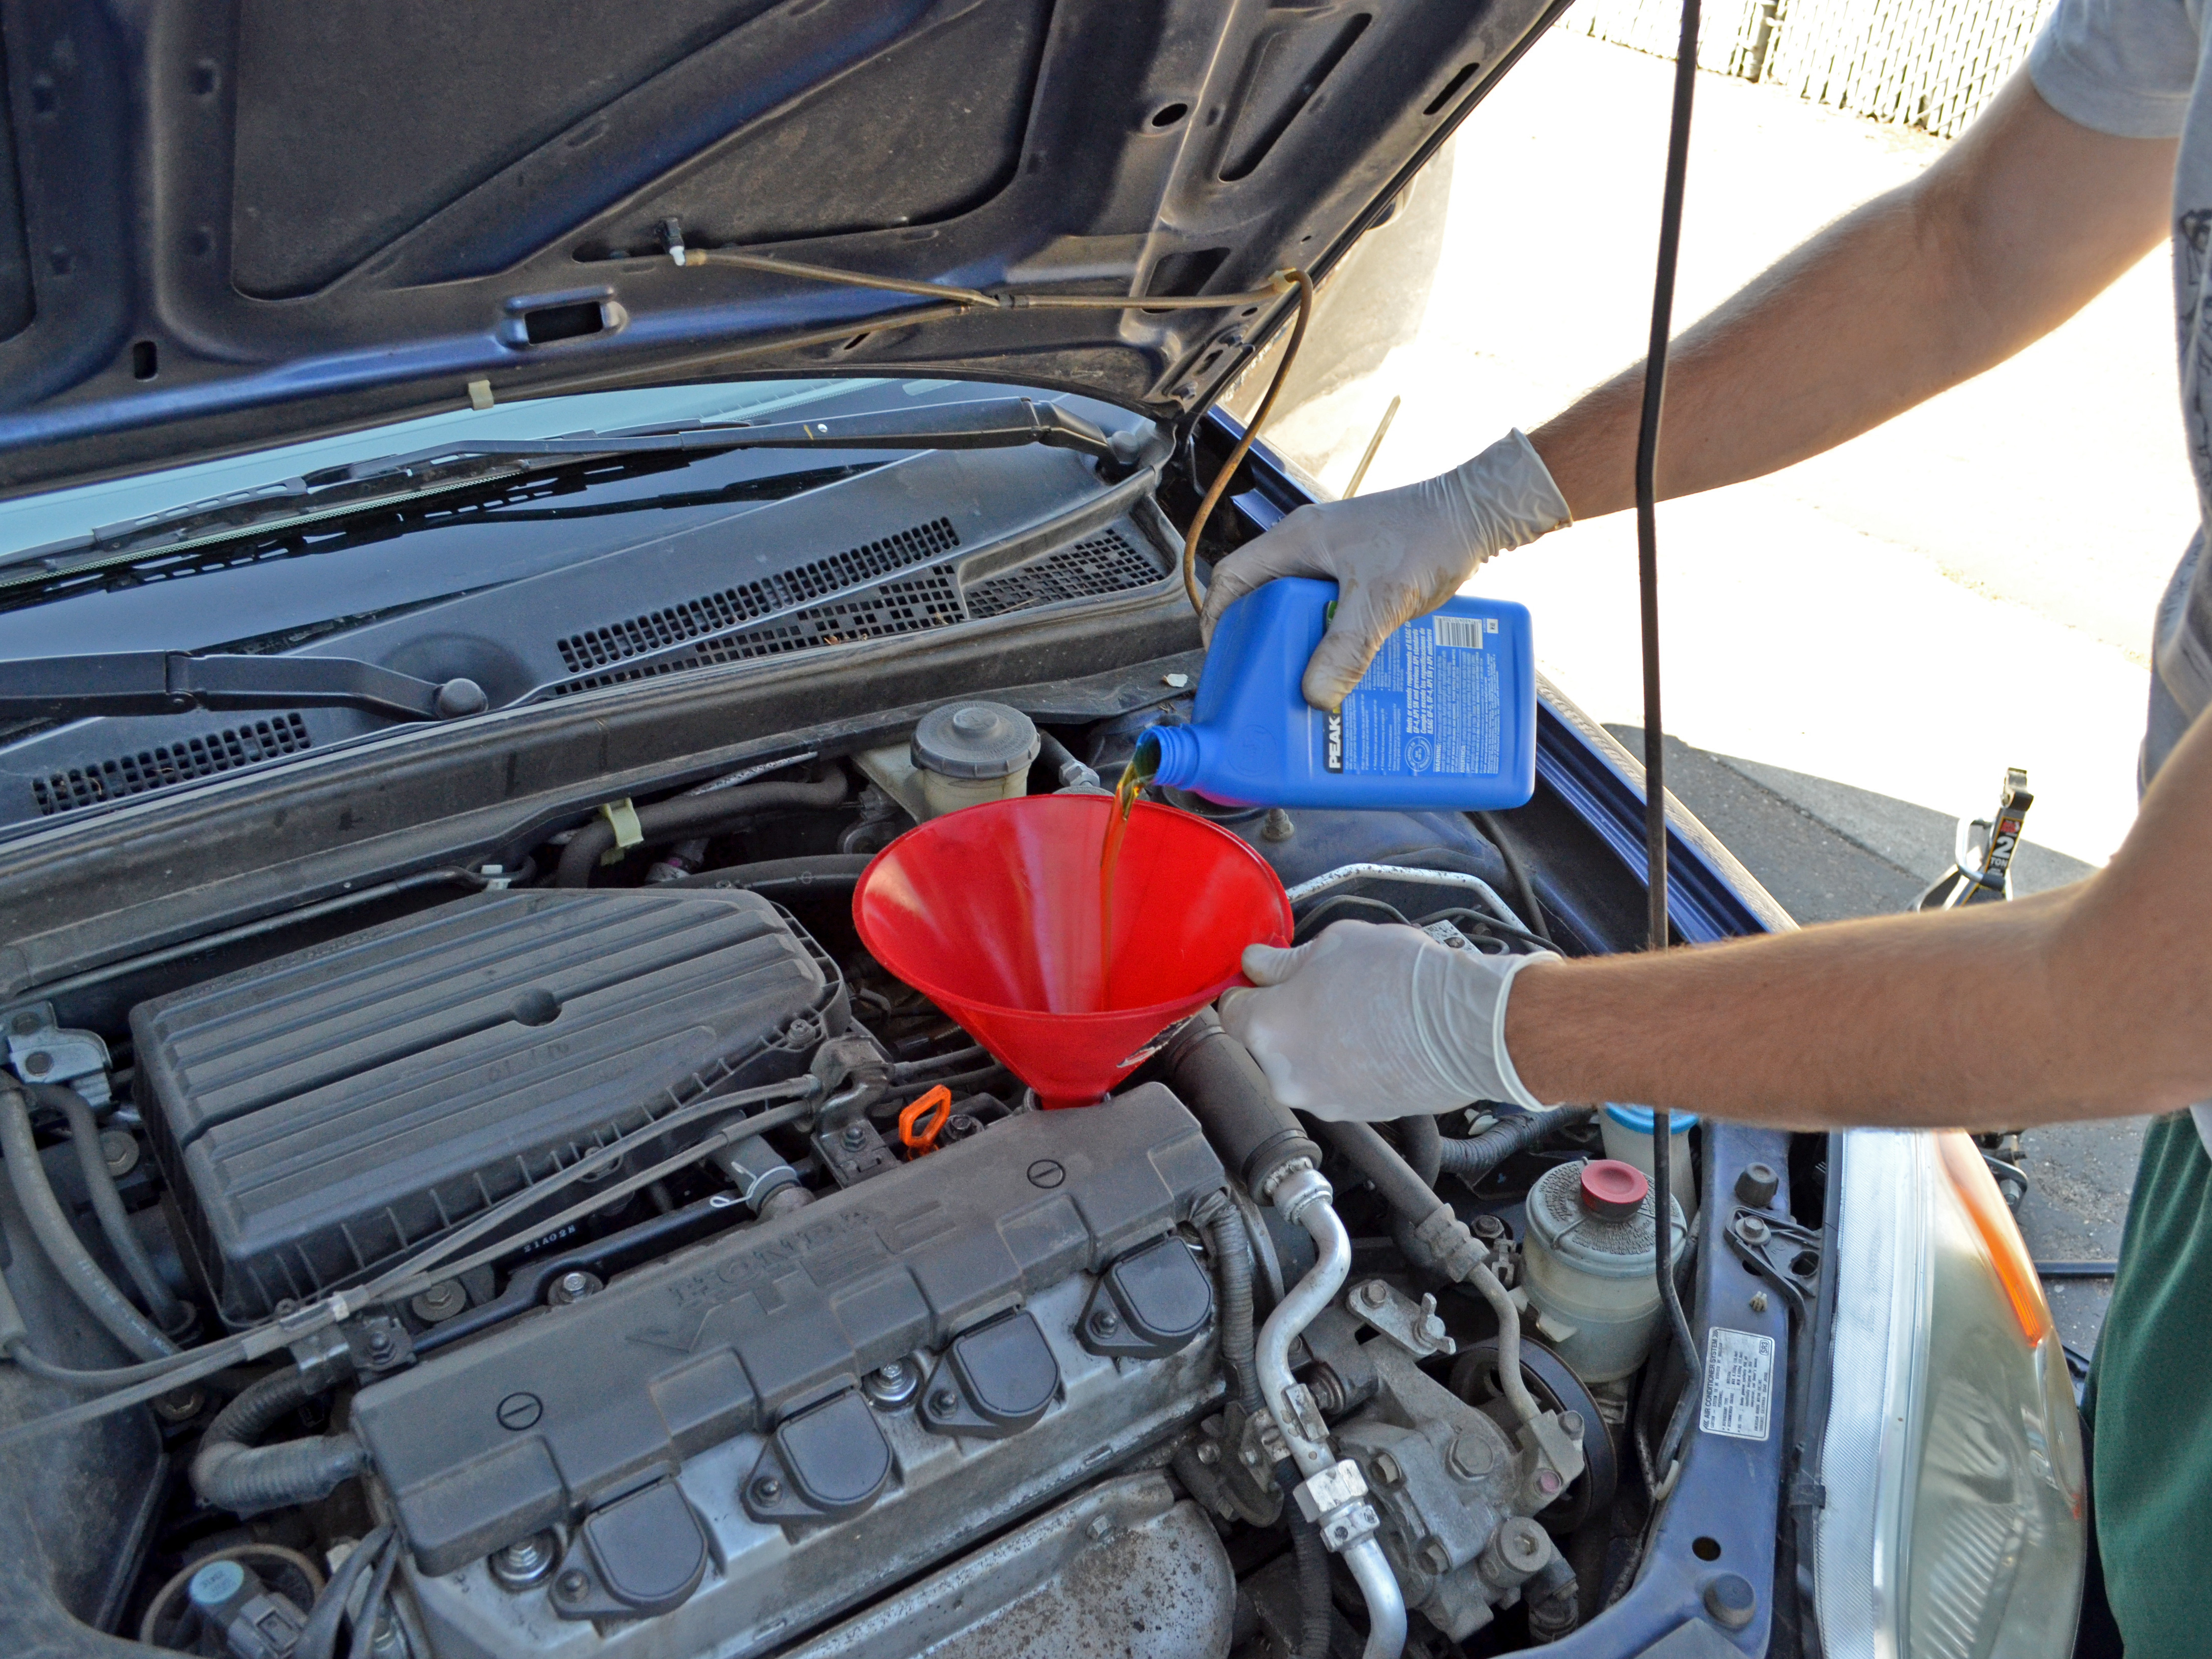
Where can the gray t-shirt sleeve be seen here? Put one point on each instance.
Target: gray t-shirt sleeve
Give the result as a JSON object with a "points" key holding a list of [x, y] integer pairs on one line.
{"points": [[2123, 66]]}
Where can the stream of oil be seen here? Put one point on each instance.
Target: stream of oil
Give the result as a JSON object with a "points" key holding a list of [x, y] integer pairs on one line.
{"points": [[1134, 777]]}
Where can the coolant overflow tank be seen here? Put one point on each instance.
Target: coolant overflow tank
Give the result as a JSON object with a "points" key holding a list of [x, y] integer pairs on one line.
{"points": [[1590, 1259], [967, 753]]}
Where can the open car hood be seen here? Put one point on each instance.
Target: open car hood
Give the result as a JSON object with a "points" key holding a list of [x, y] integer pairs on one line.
{"points": [[228, 223]]}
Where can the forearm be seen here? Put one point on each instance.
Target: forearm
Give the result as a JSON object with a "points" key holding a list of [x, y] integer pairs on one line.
{"points": [[1797, 362], [2020, 223], [1997, 1015]]}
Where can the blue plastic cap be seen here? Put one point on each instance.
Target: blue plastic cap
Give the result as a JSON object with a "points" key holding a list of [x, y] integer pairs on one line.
{"points": [[1639, 1119], [217, 1582]]}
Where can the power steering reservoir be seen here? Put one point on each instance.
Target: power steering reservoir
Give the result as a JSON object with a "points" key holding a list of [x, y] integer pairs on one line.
{"points": [[1590, 1257]]}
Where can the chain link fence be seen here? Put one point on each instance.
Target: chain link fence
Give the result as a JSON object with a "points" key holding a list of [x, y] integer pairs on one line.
{"points": [[1926, 64]]}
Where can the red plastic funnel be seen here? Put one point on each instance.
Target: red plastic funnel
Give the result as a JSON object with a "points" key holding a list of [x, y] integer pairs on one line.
{"points": [[994, 914]]}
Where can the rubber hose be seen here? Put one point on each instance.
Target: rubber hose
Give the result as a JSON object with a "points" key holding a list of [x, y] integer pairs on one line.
{"points": [[1411, 1199], [107, 1204], [372, 1606], [1395, 1179], [320, 1638], [960, 1060], [1473, 1159], [1423, 1144], [1516, 871], [1067, 772], [1215, 1075], [58, 1239], [1232, 1268], [795, 878], [1316, 1600], [684, 815], [232, 1473]]}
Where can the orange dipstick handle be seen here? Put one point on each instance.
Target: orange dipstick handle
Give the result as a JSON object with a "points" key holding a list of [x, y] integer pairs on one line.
{"points": [[937, 1105]]}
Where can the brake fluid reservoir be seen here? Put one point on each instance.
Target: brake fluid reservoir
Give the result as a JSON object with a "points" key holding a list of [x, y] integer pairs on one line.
{"points": [[967, 753], [1589, 1259]]}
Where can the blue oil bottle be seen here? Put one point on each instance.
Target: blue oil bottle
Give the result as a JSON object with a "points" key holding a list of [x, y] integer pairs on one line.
{"points": [[1444, 717]]}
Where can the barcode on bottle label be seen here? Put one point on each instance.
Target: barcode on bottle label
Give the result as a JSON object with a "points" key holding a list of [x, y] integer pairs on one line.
{"points": [[1464, 632], [1738, 1384]]}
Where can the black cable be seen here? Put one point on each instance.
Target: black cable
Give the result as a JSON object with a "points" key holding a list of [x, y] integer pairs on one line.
{"points": [[911, 1071], [1647, 570], [686, 815], [372, 1606], [1516, 871], [1217, 1215], [320, 1635], [1481, 922], [1306, 927]]}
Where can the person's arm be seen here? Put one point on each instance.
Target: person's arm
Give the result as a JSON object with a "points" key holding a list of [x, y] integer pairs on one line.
{"points": [[2013, 229], [2018, 225], [2092, 1001]]}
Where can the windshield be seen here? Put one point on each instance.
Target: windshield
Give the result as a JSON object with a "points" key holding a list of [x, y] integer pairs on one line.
{"points": [[275, 592], [34, 520], [168, 626]]}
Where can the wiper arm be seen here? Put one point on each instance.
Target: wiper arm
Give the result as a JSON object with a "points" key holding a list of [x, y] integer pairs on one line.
{"points": [[987, 424], [394, 480], [176, 683]]}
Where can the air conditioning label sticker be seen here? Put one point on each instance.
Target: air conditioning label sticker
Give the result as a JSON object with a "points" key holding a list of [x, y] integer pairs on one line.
{"points": [[1738, 1384], [1433, 701]]}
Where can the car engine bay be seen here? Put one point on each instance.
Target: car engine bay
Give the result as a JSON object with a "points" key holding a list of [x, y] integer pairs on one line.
{"points": [[600, 1251]]}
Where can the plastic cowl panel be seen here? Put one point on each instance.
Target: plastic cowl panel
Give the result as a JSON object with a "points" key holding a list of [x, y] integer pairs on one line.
{"points": [[1953, 1523]]}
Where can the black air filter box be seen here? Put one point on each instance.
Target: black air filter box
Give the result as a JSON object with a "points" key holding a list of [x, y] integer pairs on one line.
{"points": [[321, 1115]]}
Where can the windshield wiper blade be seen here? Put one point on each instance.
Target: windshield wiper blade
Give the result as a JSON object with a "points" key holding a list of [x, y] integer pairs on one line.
{"points": [[177, 683], [987, 424], [395, 480]]}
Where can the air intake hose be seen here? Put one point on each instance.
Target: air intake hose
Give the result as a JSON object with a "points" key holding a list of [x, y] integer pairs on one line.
{"points": [[232, 1473], [1215, 1075]]}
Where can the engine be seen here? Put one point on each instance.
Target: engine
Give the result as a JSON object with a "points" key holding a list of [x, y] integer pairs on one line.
{"points": [[700, 1288]]}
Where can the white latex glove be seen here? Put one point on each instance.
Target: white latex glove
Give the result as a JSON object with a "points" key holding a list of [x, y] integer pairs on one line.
{"points": [[1371, 1022], [1395, 555]]}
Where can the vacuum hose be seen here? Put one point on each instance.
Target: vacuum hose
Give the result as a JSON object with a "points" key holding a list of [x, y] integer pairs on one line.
{"points": [[51, 1227], [685, 815], [107, 1204], [232, 1473]]}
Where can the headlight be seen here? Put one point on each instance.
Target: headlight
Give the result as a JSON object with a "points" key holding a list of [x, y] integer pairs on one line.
{"points": [[1953, 1524]]}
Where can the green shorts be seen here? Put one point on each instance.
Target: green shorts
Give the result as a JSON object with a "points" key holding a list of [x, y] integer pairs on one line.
{"points": [[2151, 1405]]}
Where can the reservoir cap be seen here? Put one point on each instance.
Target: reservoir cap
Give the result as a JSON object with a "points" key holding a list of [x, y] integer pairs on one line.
{"points": [[975, 740], [1612, 1189], [1638, 1120]]}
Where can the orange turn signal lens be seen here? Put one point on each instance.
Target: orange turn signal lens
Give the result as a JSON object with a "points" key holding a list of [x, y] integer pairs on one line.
{"points": [[1985, 1206]]}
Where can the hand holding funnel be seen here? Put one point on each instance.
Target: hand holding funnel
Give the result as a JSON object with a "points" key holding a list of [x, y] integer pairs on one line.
{"points": [[994, 914]]}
